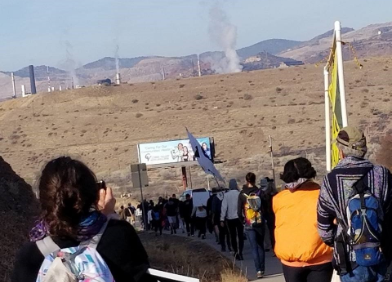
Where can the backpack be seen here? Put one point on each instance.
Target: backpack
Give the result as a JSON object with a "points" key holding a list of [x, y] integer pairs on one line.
{"points": [[252, 208], [364, 217], [156, 215], [75, 264]]}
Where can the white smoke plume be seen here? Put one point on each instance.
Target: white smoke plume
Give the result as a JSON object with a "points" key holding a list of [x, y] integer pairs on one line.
{"points": [[70, 63], [224, 34], [116, 56]]}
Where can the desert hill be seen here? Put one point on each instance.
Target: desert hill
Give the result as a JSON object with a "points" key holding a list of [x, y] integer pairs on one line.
{"points": [[102, 125], [373, 40], [272, 46]]}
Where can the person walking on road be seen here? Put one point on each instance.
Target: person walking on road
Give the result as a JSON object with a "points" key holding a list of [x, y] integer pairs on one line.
{"points": [[303, 254], [157, 220], [216, 216], [172, 211], [354, 211], [200, 214], [250, 211], [186, 209], [268, 191], [230, 214]]}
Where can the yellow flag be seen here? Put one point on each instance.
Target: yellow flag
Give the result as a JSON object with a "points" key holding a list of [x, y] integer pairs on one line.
{"points": [[334, 96]]}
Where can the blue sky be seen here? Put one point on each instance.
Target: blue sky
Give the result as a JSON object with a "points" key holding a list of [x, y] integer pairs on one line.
{"points": [[36, 31]]}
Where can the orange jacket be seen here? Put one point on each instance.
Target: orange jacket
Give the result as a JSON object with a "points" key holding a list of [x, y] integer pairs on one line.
{"points": [[297, 240]]}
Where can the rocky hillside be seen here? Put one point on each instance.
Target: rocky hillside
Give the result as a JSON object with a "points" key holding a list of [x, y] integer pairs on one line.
{"points": [[18, 207], [373, 40]]}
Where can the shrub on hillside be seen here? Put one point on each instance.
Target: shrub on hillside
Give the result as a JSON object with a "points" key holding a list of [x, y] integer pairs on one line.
{"points": [[198, 97], [248, 97]]}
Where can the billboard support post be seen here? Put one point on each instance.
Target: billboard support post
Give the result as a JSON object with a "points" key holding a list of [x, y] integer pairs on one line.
{"points": [[140, 180], [184, 178], [190, 177]]}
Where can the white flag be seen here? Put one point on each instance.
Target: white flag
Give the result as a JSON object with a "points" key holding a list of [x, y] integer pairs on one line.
{"points": [[205, 163]]}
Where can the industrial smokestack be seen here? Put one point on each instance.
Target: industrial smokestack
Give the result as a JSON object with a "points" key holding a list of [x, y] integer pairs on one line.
{"points": [[198, 65], [118, 78], [23, 91], [32, 80], [163, 72], [13, 85]]}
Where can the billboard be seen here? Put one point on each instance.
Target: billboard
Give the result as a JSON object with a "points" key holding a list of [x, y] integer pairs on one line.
{"points": [[175, 151]]}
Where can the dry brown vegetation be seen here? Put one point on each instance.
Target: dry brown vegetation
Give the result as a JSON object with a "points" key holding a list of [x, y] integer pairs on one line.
{"points": [[102, 125], [189, 257]]}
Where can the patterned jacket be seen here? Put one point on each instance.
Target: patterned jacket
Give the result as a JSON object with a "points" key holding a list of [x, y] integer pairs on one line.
{"points": [[337, 189]]}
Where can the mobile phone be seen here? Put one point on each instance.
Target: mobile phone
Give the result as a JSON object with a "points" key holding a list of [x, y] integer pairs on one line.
{"points": [[101, 185]]}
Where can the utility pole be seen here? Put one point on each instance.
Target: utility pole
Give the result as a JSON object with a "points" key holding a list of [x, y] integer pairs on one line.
{"points": [[272, 158]]}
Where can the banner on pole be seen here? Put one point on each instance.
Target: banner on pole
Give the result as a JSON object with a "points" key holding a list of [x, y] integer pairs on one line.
{"points": [[336, 94]]}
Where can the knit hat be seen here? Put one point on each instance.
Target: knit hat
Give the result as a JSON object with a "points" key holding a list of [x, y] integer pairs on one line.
{"points": [[352, 138], [264, 183], [233, 185]]}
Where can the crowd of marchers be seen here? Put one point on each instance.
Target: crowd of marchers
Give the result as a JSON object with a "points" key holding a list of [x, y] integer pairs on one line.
{"points": [[343, 223]]}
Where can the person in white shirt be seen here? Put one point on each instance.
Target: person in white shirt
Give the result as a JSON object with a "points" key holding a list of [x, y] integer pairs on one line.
{"points": [[201, 220]]}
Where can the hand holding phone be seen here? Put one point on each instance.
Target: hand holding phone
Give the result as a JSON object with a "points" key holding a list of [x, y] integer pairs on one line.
{"points": [[101, 185]]}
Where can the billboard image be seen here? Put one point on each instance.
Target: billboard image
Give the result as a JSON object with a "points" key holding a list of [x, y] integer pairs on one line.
{"points": [[175, 151]]}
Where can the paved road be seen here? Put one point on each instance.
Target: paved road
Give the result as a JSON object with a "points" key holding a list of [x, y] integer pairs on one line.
{"points": [[273, 267]]}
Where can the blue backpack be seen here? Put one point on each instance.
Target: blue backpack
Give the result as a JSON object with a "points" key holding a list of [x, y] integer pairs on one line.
{"points": [[365, 216], [155, 215]]}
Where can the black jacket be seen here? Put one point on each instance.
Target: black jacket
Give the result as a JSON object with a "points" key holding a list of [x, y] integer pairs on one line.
{"points": [[242, 199], [119, 246], [186, 208]]}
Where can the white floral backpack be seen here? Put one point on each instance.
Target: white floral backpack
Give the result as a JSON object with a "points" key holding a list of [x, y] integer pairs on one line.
{"points": [[75, 264]]}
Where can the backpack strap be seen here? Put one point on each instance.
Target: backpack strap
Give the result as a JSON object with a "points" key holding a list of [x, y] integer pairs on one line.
{"points": [[47, 246], [93, 242], [360, 188]]}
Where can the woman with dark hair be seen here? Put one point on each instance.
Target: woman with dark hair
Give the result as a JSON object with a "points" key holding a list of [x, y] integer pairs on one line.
{"points": [[75, 210], [299, 247], [185, 155]]}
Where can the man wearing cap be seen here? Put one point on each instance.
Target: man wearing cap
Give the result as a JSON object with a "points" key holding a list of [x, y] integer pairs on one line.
{"points": [[337, 189]]}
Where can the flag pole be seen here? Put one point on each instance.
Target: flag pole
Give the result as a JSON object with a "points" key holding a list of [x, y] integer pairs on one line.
{"points": [[339, 55], [327, 120]]}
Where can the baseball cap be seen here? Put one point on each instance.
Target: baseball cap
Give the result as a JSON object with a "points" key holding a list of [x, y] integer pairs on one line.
{"points": [[352, 138]]}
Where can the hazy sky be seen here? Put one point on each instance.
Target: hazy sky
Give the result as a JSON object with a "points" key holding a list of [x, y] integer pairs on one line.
{"points": [[37, 31]]}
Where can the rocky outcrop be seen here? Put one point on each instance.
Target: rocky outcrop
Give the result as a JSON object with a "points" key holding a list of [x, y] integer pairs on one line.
{"points": [[18, 208]]}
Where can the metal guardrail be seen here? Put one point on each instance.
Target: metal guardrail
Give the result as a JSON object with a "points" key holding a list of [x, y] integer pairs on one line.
{"points": [[163, 276]]}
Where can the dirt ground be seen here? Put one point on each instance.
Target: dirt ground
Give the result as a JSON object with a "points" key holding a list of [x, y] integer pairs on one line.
{"points": [[103, 125]]}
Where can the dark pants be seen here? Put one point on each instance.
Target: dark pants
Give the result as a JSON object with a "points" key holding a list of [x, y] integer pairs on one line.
{"points": [[270, 218], [157, 226], [236, 229], [314, 273], [190, 228], [201, 225], [224, 236], [256, 240]]}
